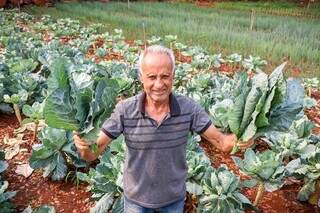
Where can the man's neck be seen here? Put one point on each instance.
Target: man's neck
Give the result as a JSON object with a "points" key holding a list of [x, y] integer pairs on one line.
{"points": [[157, 107]]}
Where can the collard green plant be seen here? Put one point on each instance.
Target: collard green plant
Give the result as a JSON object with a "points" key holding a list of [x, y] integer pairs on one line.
{"points": [[78, 101], [101, 52], [16, 100], [254, 64], [310, 84], [294, 143], [198, 164], [41, 209], [222, 192], [34, 114], [308, 169], [105, 181], [266, 168], [259, 105], [5, 196], [56, 154]]}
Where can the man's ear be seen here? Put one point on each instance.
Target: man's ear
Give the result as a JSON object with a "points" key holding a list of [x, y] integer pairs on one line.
{"points": [[139, 75]]}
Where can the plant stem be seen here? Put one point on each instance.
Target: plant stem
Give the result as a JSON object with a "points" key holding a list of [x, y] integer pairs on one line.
{"points": [[17, 112], [260, 192], [35, 130], [309, 91]]}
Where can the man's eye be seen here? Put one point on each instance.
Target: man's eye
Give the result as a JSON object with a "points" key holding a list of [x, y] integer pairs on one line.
{"points": [[152, 77]]}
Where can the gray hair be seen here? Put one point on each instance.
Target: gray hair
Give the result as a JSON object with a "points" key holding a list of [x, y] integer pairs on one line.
{"points": [[156, 49]]}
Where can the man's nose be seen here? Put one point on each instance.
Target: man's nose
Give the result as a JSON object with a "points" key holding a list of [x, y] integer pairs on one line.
{"points": [[158, 83]]}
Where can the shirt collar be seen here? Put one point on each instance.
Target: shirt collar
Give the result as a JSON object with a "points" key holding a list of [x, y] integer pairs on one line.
{"points": [[173, 102]]}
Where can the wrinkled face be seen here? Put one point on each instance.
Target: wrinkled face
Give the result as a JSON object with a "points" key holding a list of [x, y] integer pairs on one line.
{"points": [[157, 76]]}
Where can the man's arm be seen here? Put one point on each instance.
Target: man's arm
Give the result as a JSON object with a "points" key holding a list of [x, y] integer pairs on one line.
{"points": [[224, 142], [84, 148]]}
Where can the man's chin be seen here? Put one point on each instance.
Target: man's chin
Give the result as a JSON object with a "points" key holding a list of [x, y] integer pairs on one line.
{"points": [[159, 98]]}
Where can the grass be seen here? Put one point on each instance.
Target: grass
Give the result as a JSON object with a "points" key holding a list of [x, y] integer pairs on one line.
{"points": [[275, 38], [277, 7]]}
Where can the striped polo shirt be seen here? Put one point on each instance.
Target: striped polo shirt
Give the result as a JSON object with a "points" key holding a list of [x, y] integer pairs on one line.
{"points": [[155, 168]]}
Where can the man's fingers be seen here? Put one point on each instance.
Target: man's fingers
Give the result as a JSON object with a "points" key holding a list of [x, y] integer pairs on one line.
{"points": [[78, 140], [80, 147]]}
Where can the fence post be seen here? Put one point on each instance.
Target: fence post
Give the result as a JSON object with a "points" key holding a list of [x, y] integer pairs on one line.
{"points": [[252, 19]]}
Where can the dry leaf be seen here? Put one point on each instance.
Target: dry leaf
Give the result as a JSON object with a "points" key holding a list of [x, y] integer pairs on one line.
{"points": [[31, 126], [11, 151], [13, 141], [24, 170]]}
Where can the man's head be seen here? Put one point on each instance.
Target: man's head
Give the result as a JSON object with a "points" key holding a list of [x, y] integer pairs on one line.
{"points": [[156, 70]]}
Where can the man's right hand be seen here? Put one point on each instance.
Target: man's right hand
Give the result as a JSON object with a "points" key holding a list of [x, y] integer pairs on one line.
{"points": [[84, 147], [81, 145]]}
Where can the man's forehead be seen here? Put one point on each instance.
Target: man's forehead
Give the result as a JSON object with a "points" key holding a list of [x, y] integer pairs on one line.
{"points": [[157, 59]]}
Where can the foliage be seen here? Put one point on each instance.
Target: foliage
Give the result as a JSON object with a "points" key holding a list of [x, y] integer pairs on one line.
{"points": [[264, 167], [106, 179], [5, 196], [222, 192], [55, 154], [34, 112], [41, 209], [308, 169], [294, 143]]}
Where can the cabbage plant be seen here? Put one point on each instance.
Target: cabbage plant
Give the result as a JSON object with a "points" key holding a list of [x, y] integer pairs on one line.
{"points": [[265, 168]]}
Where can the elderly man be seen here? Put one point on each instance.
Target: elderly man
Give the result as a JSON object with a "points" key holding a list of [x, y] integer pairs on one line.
{"points": [[155, 124]]}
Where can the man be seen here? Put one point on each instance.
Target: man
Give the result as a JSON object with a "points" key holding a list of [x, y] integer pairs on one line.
{"points": [[155, 125]]}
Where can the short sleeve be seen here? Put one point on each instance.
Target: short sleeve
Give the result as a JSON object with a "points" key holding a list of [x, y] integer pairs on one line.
{"points": [[113, 126], [200, 120]]}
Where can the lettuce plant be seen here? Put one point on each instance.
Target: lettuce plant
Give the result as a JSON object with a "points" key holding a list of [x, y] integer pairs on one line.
{"points": [[222, 192], [265, 168]]}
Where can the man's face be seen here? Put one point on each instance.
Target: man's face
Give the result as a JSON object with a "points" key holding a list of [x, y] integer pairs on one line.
{"points": [[157, 76]]}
